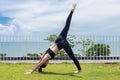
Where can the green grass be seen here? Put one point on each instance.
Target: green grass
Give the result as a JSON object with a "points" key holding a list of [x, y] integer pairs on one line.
{"points": [[62, 71]]}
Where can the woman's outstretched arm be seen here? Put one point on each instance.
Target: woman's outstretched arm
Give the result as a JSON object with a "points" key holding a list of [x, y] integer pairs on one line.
{"points": [[45, 58]]}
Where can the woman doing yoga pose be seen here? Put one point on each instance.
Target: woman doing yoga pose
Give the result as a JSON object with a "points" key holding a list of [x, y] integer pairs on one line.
{"points": [[60, 43]]}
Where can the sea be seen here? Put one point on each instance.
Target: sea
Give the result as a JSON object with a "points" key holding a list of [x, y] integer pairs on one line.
{"points": [[19, 49]]}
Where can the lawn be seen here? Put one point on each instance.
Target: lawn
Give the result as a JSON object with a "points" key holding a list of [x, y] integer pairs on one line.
{"points": [[61, 71]]}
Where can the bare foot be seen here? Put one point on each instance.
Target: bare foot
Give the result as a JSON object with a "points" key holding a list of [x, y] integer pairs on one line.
{"points": [[78, 71], [74, 6]]}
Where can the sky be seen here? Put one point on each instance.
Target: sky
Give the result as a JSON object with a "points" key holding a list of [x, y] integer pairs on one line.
{"points": [[45, 17]]}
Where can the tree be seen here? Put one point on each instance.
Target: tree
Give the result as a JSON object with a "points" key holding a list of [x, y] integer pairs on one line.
{"points": [[98, 50], [85, 43], [51, 38], [71, 39], [3, 55], [32, 55]]}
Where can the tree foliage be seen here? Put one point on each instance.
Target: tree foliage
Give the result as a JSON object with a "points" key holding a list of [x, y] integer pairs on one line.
{"points": [[85, 44], [3, 55], [32, 55], [98, 50], [51, 38]]}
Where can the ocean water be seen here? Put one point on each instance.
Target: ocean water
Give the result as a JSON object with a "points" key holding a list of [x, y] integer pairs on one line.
{"points": [[22, 48]]}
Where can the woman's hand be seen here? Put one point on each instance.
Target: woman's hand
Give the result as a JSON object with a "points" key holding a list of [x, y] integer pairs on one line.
{"points": [[29, 72]]}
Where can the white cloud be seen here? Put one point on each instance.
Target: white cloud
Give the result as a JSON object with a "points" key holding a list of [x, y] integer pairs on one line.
{"points": [[46, 16], [6, 30], [93, 10]]}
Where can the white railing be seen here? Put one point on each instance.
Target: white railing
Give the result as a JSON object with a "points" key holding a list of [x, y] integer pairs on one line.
{"points": [[16, 48]]}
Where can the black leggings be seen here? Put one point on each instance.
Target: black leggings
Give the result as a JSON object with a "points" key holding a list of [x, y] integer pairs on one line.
{"points": [[62, 43]]}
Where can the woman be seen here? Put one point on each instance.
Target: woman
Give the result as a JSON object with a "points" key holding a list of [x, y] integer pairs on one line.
{"points": [[60, 43]]}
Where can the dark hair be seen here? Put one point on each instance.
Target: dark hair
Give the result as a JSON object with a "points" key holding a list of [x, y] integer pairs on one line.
{"points": [[43, 66], [40, 68]]}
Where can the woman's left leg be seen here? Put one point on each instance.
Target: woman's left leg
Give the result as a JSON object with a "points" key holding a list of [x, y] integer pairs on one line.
{"points": [[67, 25], [69, 51]]}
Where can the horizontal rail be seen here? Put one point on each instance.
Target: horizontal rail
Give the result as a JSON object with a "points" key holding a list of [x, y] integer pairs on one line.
{"points": [[59, 58]]}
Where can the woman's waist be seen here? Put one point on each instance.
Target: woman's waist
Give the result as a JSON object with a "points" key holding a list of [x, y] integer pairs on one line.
{"points": [[54, 48]]}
